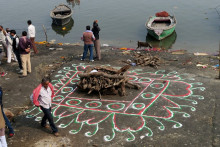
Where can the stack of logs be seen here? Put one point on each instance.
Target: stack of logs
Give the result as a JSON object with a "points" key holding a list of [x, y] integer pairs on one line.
{"points": [[144, 60], [105, 80]]}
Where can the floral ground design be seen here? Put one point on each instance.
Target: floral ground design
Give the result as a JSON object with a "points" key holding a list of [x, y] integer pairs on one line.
{"points": [[164, 100]]}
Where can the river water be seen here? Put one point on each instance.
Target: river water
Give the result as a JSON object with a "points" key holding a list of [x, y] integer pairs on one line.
{"points": [[121, 21]]}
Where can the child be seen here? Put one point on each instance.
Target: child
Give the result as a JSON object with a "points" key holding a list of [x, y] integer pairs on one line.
{"points": [[3, 142]]}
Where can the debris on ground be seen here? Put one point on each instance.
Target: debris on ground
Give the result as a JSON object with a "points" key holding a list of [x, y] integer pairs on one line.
{"points": [[105, 45], [202, 65], [178, 52], [144, 60], [105, 80], [59, 49], [200, 54]]}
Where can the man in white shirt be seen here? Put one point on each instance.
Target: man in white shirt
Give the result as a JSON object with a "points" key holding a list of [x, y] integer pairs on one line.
{"points": [[2, 39], [45, 100], [9, 42], [31, 35]]}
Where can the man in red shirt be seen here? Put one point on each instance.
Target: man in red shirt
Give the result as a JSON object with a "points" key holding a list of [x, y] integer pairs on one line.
{"points": [[88, 39]]}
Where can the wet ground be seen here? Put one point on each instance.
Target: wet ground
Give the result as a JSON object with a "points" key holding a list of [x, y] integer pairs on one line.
{"points": [[177, 104]]}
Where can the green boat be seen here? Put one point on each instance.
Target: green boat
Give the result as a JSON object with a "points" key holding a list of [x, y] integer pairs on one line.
{"points": [[161, 27]]}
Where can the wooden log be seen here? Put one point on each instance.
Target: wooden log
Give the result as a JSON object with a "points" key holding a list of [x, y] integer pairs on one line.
{"points": [[132, 85], [99, 74]]}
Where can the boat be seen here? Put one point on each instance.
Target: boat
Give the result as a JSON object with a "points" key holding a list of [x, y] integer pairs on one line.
{"points": [[63, 30], [61, 15], [161, 27], [164, 44]]}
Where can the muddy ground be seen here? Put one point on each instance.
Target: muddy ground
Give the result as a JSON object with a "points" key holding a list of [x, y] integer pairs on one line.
{"points": [[201, 129]]}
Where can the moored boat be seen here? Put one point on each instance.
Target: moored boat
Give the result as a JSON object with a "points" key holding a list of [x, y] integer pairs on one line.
{"points": [[61, 15], [161, 27]]}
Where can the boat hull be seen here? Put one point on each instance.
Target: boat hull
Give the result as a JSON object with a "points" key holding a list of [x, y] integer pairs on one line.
{"points": [[61, 22], [163, 35]]}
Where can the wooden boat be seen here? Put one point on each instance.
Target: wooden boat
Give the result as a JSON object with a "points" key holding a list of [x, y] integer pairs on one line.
{"points": [[161, 27], [60, 29], [166, 43], [61, 15]]}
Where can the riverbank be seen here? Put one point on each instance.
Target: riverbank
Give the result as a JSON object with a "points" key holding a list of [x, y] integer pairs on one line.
{"points": [[169, 110]]}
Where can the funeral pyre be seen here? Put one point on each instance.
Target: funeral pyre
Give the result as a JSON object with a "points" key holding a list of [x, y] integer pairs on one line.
{"points": [[105, 80]]}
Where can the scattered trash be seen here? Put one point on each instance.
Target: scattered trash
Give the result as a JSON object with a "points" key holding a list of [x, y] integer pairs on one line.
{"points": [[53, 40], [105, 45], [178, 52], [7, 78], [123, 48], [202, 65], [52, 49], [126, 52], [200, 54], [3, 74], [43, 42], [217, 65], [50, 65], [59, 49], [133, 64]]}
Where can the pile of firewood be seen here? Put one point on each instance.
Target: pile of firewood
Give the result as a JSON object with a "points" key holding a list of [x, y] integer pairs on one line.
{"points": [[144, 60], [105, 80]]}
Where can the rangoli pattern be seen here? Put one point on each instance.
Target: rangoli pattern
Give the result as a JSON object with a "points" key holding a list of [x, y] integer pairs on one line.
{"points": [[165, 98]]}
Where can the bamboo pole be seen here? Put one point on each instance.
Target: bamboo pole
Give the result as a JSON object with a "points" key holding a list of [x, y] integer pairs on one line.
{"points": [[45, 32], [219, 60]]}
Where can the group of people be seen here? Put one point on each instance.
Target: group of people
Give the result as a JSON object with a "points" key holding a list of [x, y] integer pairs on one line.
{"points": [[91, 38], [18, 48]]}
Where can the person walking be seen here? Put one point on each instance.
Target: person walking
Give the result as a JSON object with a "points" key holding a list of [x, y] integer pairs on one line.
{"points": [[88, 39], [15, 42], [96, 31], [3, 39], [42, 97], [24, 48], [10, 53], [7, 122], [31, 35]]}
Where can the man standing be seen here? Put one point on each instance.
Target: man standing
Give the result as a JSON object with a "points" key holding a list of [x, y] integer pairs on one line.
{"points": [[88, 39], [42, 97], [31, 35], [2, 39], [9, 47], [96, 31], [24, 49], [15, 42], [8, 124]]}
